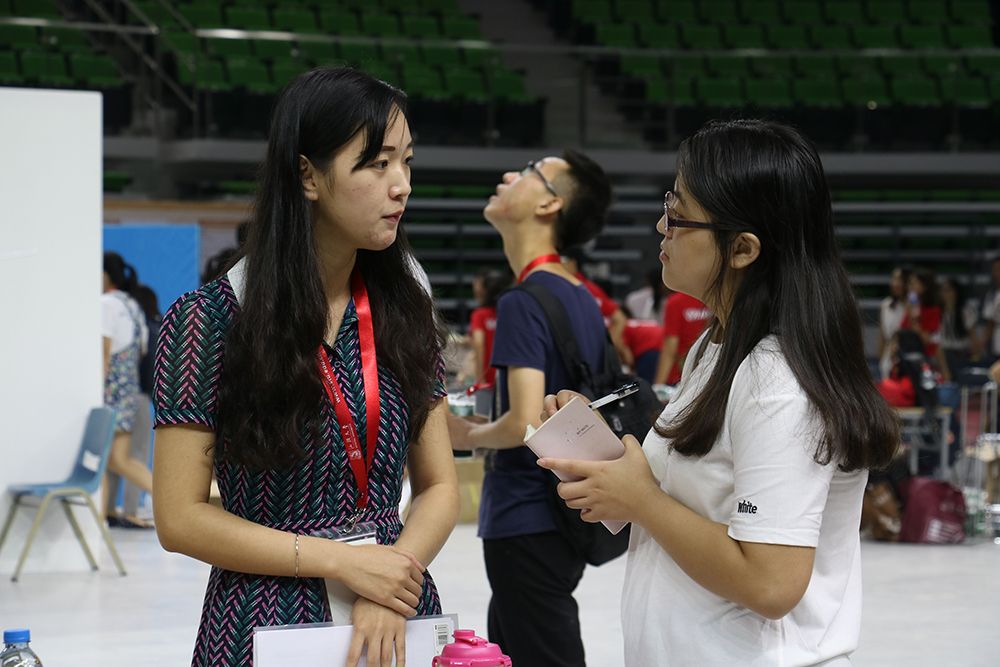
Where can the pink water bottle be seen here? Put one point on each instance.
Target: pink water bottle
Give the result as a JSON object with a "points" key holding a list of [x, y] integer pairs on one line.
{"points": [[468, 650]]}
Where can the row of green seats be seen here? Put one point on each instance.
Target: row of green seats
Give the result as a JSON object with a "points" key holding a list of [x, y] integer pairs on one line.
{"points": [[823, 92], [332, 20], [444, 56], [42, 9], [703, 36], [408, 6], [54, 68], [28, 37], [419, 80], [794, 12], [818, 65]]}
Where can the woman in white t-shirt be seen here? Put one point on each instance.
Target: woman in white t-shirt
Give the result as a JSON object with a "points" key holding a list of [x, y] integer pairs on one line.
{"points": [[745, 500], [891, 311], [123, 327]]}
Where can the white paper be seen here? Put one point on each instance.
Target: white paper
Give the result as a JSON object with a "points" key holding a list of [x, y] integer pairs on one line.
{"points": [[576, 432], [326, 644]]}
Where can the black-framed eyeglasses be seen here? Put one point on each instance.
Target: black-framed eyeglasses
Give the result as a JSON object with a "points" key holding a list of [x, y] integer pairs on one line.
{"points": [[532, 166], [671, 220]]}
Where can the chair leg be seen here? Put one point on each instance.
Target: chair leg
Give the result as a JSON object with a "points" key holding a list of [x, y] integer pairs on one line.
{"points": [[36, 524], [79, 534], [103, 526], [9, 521]]}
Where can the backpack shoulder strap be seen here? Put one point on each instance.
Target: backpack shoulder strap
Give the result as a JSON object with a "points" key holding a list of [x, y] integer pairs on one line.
{"points": [[563, 334]]}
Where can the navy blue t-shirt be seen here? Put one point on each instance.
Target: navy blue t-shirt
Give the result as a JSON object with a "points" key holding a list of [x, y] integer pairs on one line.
{"points": [[515, 498]]}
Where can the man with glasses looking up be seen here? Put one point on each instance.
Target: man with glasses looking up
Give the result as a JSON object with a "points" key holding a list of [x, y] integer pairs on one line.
{"points": [[549, 205]]}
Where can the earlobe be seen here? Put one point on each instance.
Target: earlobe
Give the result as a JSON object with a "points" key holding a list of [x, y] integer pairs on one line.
{"points": [[308, 175], [746, 250], [550, 207]]}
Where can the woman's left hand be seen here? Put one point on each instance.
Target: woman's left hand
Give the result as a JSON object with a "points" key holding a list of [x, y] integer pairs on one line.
{"points": [[608, 490], [381, 631]]}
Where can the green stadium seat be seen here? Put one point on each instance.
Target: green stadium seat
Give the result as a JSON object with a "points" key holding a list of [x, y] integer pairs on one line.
{"points": [[720, 91], [918, 91], [876, 37], [769, 93], [922, 37], [970, 36], [615, 34], [400, 7], [183, 44], [901, 65], [865, 91], [776, 66], [727, 67], [421, 27], [272, 49], [248, 18], [723, 12], [831, 37], [467, 84], [658, 35], [593, 12], [286, 69], [250, 75], [403, 53], [322, 52], [676, 92], [787, 36], [442, 56], [384, 71], [380, 25], [701, 37], [817, 91], [295, 19], [679, 11], [422, 81], [819, 65], [43, 9], [440, 7], [359, 54], [337, 21], [686, 68], [642, 65], [965, 91], [945, 65], [157, 13], [761, 12], [460, 27], [485, 57], [209, 76], [95, 71], [19, 36], [846, 12], [891, 12], [986, 65], [203, 15], [971, 12], [9, 71], [230, 48], [65, 39], [803, 12], [929, 12], [507, 85], [48, 68], [745, 36], [637, 11]]}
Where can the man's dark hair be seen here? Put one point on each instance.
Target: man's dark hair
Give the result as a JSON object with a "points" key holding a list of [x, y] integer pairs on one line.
{"points": [[586, 203]]}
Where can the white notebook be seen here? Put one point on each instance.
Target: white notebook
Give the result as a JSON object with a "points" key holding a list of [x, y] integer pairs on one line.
{"points": [[576, 432]]}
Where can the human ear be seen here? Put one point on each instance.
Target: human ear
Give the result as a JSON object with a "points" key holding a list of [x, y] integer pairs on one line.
{"points": [[746, 250], [307, 172], [550, 207]]}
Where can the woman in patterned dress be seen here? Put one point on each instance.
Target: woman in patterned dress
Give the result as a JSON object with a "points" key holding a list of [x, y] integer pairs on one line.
{"points": [[124, 333], [243, 388]]}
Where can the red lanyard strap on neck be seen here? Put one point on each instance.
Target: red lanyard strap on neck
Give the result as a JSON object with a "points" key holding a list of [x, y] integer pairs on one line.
{"points": [[369, 369], [552, 258]]}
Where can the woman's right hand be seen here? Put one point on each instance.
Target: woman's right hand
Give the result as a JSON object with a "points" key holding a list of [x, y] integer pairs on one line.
{"points": [[387, 575], [553, 402]]}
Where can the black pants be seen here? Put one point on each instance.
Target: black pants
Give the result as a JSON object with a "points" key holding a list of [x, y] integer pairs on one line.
{"points": [[532, 614]]}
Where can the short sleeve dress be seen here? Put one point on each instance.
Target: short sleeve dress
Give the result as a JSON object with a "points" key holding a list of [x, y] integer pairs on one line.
{"points": [[316, 493]]}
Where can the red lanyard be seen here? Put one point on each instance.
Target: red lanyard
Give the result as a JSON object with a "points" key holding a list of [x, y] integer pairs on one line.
{"points": [[369, 369], [553, 258]]}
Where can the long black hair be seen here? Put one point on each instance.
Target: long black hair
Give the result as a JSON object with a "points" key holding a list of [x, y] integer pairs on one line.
{"points": [[270, 391], [767, 178], [121, 274]]}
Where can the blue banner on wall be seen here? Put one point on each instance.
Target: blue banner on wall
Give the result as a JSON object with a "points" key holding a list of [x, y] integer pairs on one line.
{"points": [[166, 256]]}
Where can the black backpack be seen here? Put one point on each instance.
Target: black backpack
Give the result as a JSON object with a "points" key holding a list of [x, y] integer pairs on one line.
{"points": [[634, 414]]}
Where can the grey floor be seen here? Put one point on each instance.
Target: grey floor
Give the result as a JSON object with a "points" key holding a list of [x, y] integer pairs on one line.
{"points": [[923, 605]]}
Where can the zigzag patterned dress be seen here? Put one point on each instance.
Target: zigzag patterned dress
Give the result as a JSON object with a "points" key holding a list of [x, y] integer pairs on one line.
{"points": [[319, 492]]}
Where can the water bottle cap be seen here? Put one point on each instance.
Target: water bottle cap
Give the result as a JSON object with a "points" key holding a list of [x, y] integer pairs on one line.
{"points": [[468, 650], [17, 636]]}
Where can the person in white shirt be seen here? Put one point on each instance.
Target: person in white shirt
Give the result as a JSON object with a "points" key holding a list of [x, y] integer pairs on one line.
{"points": [[745, 499], [891, 311]]}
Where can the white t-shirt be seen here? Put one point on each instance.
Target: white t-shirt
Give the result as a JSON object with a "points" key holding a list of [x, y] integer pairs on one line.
{"points": [[761, 480], [118, 320]]}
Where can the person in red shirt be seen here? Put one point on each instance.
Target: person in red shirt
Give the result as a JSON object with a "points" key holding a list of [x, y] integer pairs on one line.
{"points": [[684, 318], [486, 287], [923, 310], [614, 318], [644, 339]]}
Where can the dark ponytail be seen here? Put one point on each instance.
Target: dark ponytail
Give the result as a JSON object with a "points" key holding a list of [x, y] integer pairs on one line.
{"points": [[121, 274]]}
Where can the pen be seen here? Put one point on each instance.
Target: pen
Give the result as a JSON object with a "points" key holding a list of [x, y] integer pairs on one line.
{"points": [[620, 392]]}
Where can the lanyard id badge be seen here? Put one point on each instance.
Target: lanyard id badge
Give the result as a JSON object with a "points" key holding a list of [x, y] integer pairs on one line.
{"points": [[356, 533]]}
